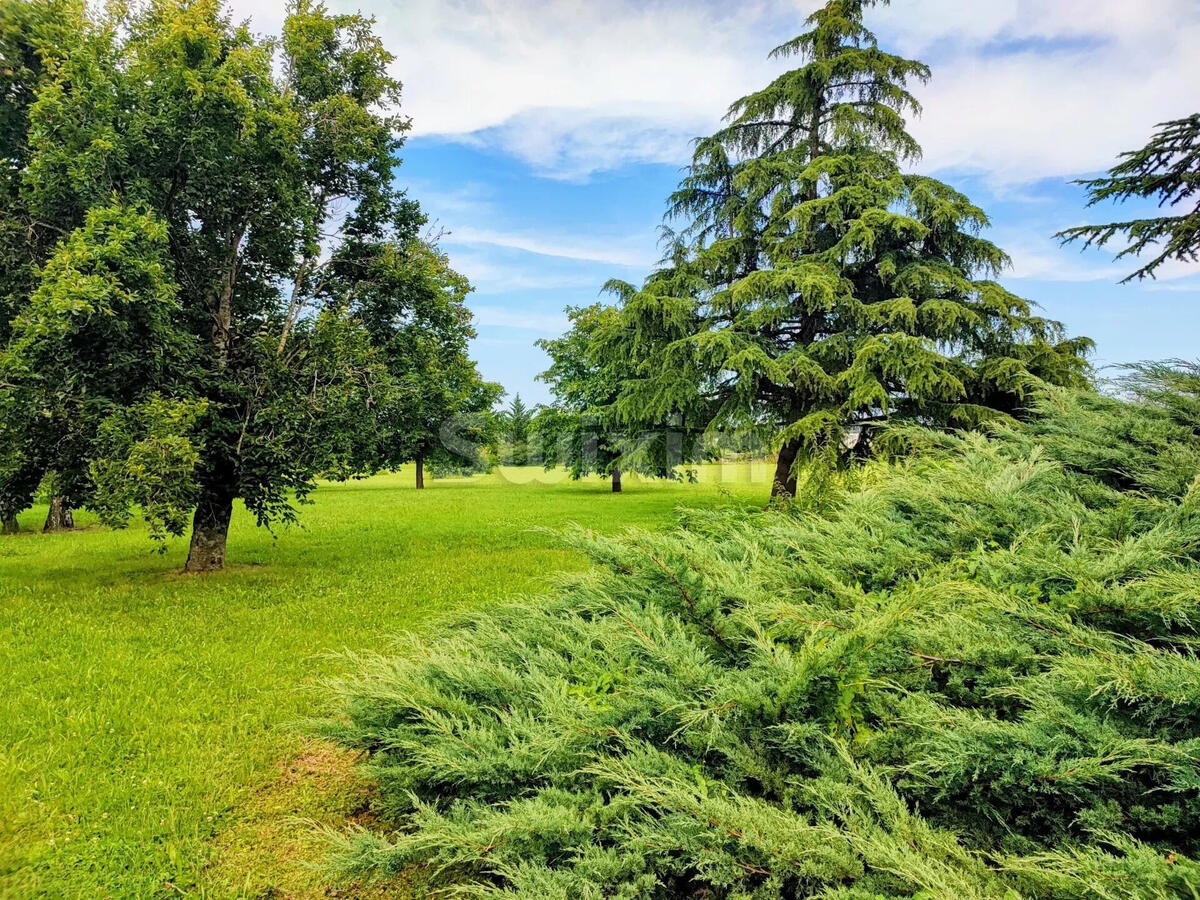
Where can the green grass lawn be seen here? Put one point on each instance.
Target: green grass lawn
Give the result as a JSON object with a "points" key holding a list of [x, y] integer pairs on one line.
{"points": [[148, 718]]}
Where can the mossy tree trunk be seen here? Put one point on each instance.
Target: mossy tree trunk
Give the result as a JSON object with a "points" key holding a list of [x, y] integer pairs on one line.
{"points": [[210, 531], [60, 516]]}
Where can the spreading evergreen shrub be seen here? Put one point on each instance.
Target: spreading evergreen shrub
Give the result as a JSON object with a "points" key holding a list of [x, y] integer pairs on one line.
{"points": [[973, 675]]}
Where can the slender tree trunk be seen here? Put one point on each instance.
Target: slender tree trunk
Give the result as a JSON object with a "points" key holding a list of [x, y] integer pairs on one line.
{"points": [[616, 481], [420, 473], [9, 524], [60, 517], [785, 470], [210, 529]]}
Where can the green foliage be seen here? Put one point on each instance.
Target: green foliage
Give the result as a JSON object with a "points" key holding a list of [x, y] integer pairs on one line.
{"points": [[34, 36], [584, 429], [971, 675], [516, 428], [814, 287], [147, 456], [1166, 170], [439, 409], [98, 333]]}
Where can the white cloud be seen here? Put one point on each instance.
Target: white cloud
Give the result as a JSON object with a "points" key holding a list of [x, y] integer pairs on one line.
{"points": [[1046, 111], [918, 25], [1031, 89], [567, 86], [1023, 89], [612, 251]]}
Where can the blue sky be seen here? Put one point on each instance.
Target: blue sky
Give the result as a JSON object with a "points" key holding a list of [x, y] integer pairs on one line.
{"points": [[547, 134]]}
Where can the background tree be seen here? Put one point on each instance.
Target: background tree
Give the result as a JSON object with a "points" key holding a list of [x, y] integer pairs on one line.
{"points": [[583, 428], [515, 422], [1166, 170], [815, 290], [272, 187], [440, 409]]}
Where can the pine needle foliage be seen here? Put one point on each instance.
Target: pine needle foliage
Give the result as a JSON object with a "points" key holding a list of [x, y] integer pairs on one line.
{"points": [[972, 675], [1166, 170]]}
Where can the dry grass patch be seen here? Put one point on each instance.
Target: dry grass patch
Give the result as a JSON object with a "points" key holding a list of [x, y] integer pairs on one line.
{"points": [[273, 852]]}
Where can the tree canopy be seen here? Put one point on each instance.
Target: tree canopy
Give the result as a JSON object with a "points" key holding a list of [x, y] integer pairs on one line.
{"points": [[583, 428], [439, 410], [813, 287]]}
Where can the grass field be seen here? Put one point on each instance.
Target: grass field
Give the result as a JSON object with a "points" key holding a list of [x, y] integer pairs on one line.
{"points": [[149, 736]]}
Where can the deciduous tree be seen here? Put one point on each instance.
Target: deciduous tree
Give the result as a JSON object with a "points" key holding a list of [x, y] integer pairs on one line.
{"points": [[265, 195], [583, 429], [439, 412], [35, 35]]}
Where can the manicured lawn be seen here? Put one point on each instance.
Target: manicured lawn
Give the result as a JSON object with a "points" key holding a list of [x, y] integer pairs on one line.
{"points": [[150, 743]]}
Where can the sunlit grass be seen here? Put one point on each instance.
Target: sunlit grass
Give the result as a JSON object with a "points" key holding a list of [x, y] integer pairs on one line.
{"points": [[143, 709]]}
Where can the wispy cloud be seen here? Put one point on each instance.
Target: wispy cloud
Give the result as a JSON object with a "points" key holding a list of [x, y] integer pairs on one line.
{"points": [[1044, 259], [621, 252], [571, 144], [498, 273], [505, 317]]}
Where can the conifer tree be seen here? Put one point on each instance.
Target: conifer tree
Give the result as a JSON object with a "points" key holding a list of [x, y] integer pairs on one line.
{"points": [[515, 422], [815, 288], [516, 419], [1166, 170]]}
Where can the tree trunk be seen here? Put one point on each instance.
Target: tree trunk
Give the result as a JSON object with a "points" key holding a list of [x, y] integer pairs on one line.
{"points": [[616, 481], [9, 524], [784, 484], [210, 529], [60, 517], [420, 473]]}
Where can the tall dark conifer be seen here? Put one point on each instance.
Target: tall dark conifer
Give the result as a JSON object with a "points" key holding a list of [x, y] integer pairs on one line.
{"points": [[815, 288]]}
